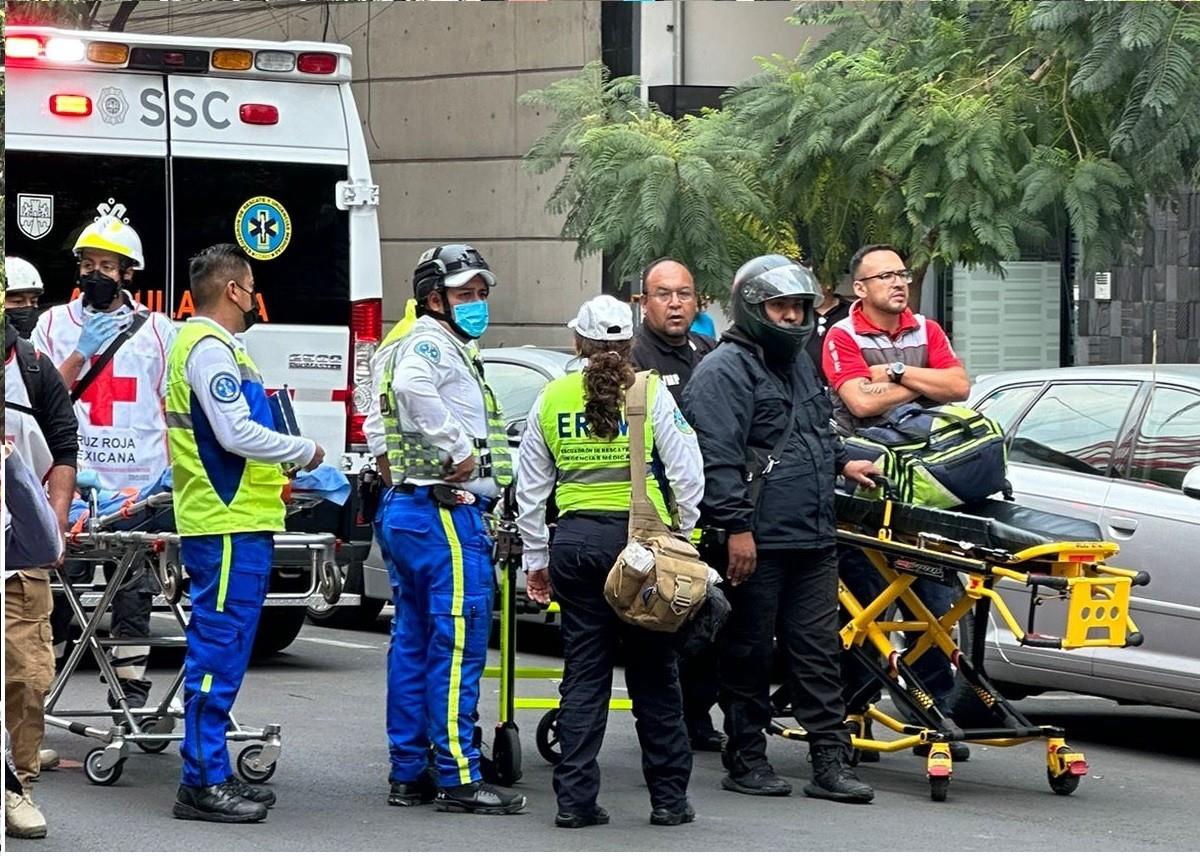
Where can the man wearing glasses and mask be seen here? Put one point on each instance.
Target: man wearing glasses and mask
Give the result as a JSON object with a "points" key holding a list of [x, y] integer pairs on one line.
{"points": [[881, 356]]}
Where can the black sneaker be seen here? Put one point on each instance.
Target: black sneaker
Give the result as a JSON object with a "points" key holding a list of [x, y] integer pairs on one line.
{"points": [[759, 782], [834, 778], [254, 793], [216, 804], [667, 817], [958, 751], [579, 819], [479, 798], [408, 794]]}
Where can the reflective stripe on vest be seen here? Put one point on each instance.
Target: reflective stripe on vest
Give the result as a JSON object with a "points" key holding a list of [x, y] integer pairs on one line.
{"points": [[593, 474], [411, 456], [254, 503]]}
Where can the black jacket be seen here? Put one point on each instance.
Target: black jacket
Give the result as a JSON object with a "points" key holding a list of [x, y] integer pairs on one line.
{"points": [[48, 395], [736, 403], [674, 363]]}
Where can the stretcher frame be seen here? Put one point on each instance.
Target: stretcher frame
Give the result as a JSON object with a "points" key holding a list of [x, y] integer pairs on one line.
{"points": [[153, 728], [1097, 597]]}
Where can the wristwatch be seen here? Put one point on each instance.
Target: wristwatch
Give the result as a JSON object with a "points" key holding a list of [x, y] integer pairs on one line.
{"points": [[895, 372]]}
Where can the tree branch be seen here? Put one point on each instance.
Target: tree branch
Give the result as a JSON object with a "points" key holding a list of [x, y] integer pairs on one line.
{"points": [[1040, 71], [1067, 111]]}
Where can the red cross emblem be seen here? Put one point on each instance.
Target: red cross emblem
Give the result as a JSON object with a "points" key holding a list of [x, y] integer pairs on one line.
{"points": [[105, 391]]}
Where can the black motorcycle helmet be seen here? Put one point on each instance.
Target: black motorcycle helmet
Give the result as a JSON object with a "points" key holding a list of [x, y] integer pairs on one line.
{"points": [[450, 266], [764, 278]]}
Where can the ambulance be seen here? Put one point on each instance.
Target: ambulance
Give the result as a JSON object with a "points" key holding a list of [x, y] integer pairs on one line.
{"points": [[197, 141]]}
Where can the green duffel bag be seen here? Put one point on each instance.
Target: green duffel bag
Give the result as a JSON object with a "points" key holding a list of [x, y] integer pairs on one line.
{"points": [[939, 457]]}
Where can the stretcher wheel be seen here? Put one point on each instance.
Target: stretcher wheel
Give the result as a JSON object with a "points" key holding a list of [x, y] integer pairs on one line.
{"points": [[331, 582], [1063, 785], [547, 736], [248, 767], [171, 580], [155, 725], [939, 788], [506, 754], [95, 773]]}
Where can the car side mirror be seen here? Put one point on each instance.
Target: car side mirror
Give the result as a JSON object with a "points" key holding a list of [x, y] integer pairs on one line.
{"points": [[1191, 483], [516, 430]]}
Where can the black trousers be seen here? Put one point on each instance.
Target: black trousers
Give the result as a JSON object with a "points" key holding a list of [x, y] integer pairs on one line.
{"points": [[700, 686], [583, 551], [792, 595]]}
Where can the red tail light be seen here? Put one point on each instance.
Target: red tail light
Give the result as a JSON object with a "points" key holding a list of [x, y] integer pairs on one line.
{"points": [[366, 330], [22, 47], [259, 114], [317, 63]]}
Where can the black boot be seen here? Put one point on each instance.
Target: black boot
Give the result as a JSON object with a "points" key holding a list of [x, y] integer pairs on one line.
{"points": [[479, 798], [834, 778], [254, 793], [408, 794], [669, 817], [579, 819], [217, 804], [761, 781]]}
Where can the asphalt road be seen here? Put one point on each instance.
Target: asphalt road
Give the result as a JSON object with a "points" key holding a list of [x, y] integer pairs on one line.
{"points": [[327, 691]]}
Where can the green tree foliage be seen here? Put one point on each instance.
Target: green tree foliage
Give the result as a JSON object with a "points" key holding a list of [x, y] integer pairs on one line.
{"points": [[961, 131]]}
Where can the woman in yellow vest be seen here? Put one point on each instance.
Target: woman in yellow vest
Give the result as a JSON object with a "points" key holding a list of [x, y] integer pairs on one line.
{"points": [[576, 446]]}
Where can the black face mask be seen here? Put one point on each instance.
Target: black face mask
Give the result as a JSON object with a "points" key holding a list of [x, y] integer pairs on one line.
{"points": [[98, 290], [250, 316], [23, 320]]}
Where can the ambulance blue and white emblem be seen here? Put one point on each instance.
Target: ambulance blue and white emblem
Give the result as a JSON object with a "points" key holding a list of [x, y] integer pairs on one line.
{"points": [[263, 228]]}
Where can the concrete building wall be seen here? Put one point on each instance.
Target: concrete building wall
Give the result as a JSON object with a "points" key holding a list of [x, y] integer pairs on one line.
{"points": [[1160, 292], [715, 43], [436, 86]]}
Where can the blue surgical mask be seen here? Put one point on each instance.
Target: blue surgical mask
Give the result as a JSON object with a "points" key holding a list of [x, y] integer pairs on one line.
{"points": [[472, 318]]}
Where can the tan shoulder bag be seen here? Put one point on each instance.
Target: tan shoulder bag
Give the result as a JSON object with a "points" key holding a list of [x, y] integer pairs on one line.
{"points": [[659, 580]]}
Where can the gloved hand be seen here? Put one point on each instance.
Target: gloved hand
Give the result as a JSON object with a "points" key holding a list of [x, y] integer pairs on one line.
{"points": [[98, 328]]}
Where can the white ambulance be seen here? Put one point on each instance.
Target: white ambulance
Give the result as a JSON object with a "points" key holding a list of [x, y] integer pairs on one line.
{"points": [[201, 141]]}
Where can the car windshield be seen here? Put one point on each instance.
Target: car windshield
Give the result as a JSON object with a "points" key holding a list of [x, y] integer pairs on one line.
{"points": [[516, 386]]}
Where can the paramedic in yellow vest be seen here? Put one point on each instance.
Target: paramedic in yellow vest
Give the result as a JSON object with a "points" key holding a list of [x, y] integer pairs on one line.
{"points": [[228, 480], [447, 455], [576, 446]]}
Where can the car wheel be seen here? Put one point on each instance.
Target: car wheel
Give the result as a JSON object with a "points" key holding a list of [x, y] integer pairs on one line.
{"points": [[355, 617], [278, 627]]}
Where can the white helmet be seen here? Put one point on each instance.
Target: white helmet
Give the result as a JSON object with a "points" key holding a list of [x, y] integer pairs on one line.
{"points": [[22, 276], [113, 235]]}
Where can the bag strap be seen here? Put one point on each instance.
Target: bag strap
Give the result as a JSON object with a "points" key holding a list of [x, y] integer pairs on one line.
{"points": [[643, 517], [956, 422], [88, 379], [756, 483]]}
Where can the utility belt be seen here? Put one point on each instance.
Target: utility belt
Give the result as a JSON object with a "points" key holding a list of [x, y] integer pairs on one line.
{"points": [[447, 496]]}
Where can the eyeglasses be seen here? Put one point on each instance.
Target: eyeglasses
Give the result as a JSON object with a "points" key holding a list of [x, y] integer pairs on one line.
{"points": [[662, 295], [889, 276]]}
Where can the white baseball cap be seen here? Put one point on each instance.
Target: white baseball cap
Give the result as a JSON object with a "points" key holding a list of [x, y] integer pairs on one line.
{"points": [[604, 319]]}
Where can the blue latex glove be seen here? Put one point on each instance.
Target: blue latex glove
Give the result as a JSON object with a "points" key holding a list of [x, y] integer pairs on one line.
{"points": [[98, 328], [327, 481]]}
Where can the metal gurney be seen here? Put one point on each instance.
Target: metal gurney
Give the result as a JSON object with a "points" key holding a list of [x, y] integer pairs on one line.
{"points": [[980, 551], [139, 540]]}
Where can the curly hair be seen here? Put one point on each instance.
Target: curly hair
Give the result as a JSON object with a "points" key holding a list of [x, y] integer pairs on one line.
{"points": [[605, 378]]}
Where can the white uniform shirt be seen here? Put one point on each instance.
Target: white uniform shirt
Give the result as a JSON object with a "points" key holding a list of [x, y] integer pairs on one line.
{"points": [[212, 372], [537, 474], [438, 397], [122, 424]]}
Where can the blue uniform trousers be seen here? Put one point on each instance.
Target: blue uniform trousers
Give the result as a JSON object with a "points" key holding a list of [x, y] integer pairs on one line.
{"points": [[229, 577], [443, 586]]}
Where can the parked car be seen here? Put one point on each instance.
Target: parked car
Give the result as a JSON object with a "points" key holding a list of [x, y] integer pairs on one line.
{"points": [[1119, 446], [516, 375]]}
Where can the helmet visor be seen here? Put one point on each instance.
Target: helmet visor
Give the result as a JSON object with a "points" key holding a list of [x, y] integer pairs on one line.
{"points": [[789, 281]]}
